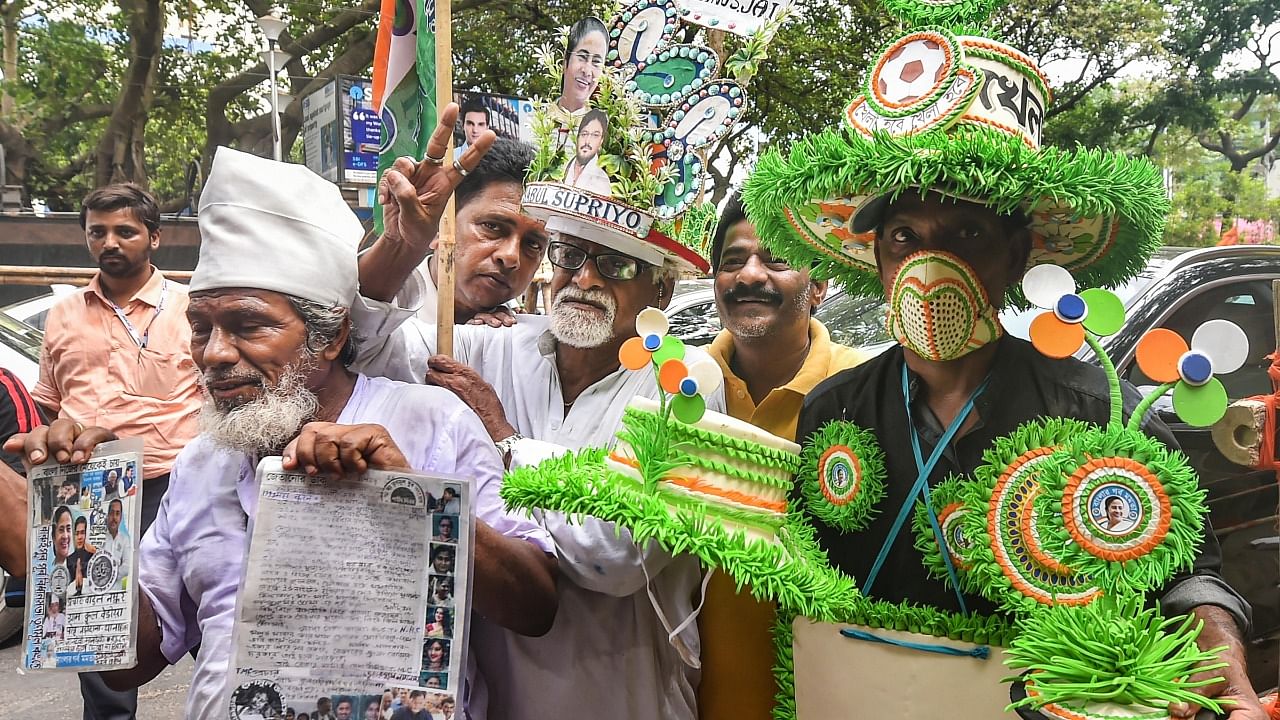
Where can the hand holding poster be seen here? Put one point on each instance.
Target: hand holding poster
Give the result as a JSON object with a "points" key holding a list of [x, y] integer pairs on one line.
{"points": [[355, 588], [84, 530]]}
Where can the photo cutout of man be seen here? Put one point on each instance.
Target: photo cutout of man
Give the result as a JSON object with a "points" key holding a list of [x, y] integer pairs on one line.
{"points": [[117, 544], [583, 171], [128, 484], [475, 120], [111, 486], [442, 559]]}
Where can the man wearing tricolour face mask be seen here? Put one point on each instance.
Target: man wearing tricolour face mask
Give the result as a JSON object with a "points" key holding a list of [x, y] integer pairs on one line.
{"points": [[546, 384]]}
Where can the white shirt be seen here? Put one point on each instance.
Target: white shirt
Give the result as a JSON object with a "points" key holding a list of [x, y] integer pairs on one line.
{"points": [[120, 548], [607, 653], [425, 287], [192, 557]]}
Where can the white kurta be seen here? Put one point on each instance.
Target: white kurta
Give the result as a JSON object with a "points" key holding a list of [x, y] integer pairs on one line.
{"points": [[608, 654]]}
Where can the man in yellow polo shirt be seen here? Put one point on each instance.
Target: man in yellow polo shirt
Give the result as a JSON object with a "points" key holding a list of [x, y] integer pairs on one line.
{"points": [[772, 352]]}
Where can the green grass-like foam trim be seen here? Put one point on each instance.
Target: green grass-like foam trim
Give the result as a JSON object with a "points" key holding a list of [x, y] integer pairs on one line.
{"points": [[1176, 552], [745, 450], [957, 12], [964, 161], [794, 572], [1112, 650], [861, 508], [952, 490]]}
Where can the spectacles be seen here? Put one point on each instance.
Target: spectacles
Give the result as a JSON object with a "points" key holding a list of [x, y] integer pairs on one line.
{"points": [[610, 265], [583, 56]]}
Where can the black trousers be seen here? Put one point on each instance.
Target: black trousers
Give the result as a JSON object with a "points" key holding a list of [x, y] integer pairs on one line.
{"points": [[100, 701]]}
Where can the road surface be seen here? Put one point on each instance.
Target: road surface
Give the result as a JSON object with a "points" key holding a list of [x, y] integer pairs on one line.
{"points": [[57, 695]]}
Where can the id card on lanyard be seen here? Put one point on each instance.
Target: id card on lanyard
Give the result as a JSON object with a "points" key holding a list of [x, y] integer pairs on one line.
{"points": [[141, 339]]}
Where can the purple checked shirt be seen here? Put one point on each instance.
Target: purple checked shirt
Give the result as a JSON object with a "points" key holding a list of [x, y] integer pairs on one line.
{"points": [[192, 558]]}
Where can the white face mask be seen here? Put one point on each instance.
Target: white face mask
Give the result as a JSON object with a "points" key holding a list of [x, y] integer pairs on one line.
{"points": [[938, 308]]}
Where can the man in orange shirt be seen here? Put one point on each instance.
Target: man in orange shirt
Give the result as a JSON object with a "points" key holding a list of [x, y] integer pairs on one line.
{"points": [[772, 353], [117, 354]]}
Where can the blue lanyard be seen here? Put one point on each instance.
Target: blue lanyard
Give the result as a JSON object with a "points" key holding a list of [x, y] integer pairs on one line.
{"points": [[141, 340], [921, 486]]}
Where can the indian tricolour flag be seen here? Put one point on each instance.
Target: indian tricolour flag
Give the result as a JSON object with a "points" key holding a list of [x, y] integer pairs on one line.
{"points": [[404, 81]]}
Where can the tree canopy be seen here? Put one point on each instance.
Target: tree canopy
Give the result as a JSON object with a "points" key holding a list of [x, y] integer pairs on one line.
{"points": [[144, 90]]}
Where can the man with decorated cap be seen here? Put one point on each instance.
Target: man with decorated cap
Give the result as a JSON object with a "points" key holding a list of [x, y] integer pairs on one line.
{"points": [[271, 336], [936, 193], [624, 644]]}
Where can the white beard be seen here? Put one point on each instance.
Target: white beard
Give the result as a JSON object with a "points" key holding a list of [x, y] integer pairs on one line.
{"points": [[582, 328], [264, 425]]}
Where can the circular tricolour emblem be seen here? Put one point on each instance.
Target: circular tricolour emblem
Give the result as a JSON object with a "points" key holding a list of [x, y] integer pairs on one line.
{"points": [[1115, 508], [842, 475], [839, 474]]}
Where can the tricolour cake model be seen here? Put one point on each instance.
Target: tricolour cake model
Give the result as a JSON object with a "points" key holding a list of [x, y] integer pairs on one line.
{"points": [[733, 470]]}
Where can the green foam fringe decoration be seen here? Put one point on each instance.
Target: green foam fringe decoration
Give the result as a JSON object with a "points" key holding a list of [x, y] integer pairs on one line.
{"points": [[857, 512], [1112, 650], [794, 571], [947, 14], [964, 161], [1177, 552], [952, 490], [784, 668], [985, 574]]}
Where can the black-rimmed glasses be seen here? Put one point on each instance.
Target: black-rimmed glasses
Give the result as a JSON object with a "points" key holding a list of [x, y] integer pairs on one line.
{"points": [[611, 265]]}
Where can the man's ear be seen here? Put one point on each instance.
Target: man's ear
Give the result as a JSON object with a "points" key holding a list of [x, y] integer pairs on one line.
{"points": [[817, 291], [155, 240], [333, 351]]}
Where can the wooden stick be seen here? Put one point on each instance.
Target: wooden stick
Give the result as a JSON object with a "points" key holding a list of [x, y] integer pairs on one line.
{"points": [[47, 275], [446, 238]]}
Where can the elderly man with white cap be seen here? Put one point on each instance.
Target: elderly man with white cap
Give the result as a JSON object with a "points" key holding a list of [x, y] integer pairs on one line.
{"points": [[271, 337]]}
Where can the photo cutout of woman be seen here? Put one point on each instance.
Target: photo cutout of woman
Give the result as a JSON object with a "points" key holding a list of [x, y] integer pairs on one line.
{"points": [[583, 64]]}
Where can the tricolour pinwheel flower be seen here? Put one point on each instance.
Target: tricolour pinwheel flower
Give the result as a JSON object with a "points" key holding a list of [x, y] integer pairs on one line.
{"points": [[688, 383], [1217, 347], [1060, 332]]}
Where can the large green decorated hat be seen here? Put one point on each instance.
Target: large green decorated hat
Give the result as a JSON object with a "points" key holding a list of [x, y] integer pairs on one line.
{"points": [[628, 169], [953, 112]]}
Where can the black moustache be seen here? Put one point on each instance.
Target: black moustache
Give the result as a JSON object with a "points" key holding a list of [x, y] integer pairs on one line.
{"points": [[754, 296]]}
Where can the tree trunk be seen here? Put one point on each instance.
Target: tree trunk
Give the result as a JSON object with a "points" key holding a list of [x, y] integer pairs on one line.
{"points": [[9, 12], [121, 152]]}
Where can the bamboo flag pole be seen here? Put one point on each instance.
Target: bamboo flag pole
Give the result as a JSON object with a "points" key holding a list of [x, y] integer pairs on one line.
{"points": [[446, 238]]}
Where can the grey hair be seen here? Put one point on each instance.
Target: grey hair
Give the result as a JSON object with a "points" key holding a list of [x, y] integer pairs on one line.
{"points": [[324, 323]]}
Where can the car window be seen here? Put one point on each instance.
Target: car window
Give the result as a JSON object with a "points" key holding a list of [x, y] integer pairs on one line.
{"points": [[697, 324], [1247, 304], [854, 321]]}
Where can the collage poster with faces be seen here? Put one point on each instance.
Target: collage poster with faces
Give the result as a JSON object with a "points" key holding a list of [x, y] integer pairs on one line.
{"points": [[85, 524], [355, 596], [583, 129]]}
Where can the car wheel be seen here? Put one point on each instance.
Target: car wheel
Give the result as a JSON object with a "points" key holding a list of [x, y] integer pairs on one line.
{"points": [[10, 617]]}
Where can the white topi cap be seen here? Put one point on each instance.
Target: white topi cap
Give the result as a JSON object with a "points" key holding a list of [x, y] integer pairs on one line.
{"points": [[276, 226]]}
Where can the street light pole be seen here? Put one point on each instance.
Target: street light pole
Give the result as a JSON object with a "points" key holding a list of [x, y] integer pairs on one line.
{"points": [[272, 26]]}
